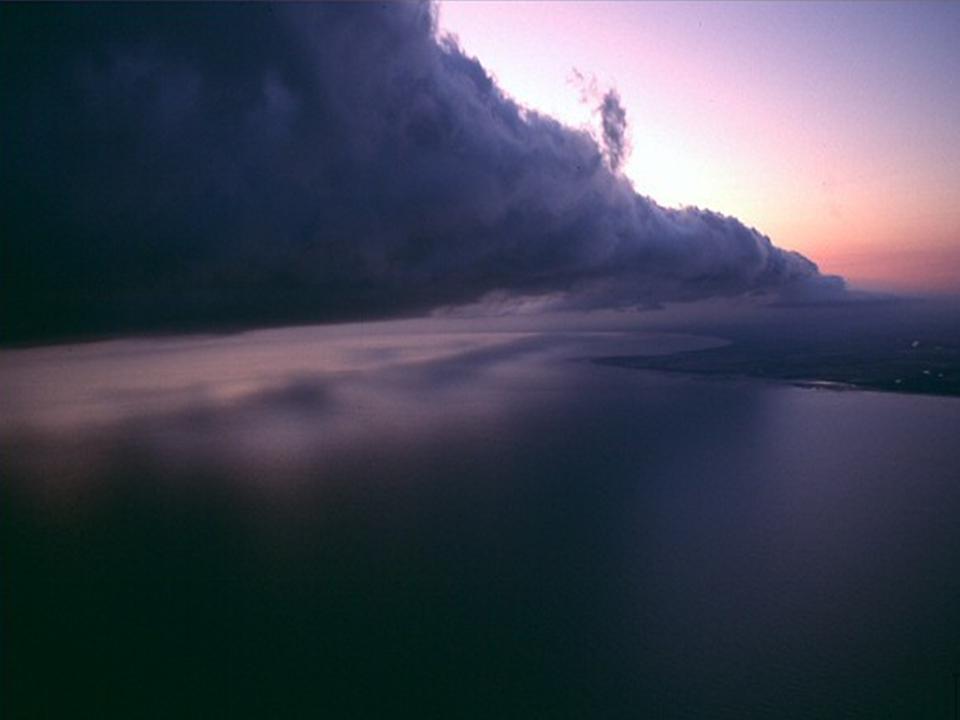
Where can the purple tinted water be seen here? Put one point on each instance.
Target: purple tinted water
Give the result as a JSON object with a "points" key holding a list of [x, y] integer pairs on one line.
{"points": [[362, 522]]}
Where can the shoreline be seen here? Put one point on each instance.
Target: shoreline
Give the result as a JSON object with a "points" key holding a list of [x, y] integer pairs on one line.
{"points": [[661, 364]]}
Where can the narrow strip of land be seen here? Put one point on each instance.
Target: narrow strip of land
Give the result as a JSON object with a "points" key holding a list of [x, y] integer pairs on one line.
{"points": [[914, 368]]}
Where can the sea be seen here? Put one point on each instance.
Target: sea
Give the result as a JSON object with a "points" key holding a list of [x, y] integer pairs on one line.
{"points": [[443, 519]]}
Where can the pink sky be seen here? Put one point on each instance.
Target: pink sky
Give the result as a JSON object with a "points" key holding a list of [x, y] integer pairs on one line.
{"points": [[832, 128]]}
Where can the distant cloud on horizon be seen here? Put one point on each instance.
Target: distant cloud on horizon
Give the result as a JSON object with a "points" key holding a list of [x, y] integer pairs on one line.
{"points": [[176, 165]]}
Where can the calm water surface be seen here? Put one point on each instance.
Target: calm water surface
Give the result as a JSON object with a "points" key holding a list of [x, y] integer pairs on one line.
{"points": [[394, 520]]}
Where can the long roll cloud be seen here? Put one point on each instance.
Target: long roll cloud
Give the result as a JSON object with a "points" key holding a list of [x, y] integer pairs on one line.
{"points": [[170, 165]]}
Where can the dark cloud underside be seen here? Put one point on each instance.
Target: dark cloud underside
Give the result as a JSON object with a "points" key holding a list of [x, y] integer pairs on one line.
{"points": [[196, 164]]}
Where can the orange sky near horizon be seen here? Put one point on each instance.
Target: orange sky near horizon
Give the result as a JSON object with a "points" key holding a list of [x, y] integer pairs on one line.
{"points": [[832, 128]]}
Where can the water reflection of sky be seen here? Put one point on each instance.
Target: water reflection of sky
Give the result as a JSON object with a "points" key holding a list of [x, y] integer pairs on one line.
{"points": [[274, 399], [375, 520]]}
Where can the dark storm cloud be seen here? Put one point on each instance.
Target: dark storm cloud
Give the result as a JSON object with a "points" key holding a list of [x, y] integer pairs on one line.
{"points": [[165, 165], [613, 118]]}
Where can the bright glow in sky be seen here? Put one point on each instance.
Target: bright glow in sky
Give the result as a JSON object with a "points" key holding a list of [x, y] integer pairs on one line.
{"points": [[832, 128]]}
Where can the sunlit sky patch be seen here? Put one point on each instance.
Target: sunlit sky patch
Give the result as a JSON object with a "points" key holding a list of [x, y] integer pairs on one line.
{"points": [[831, 127]]}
